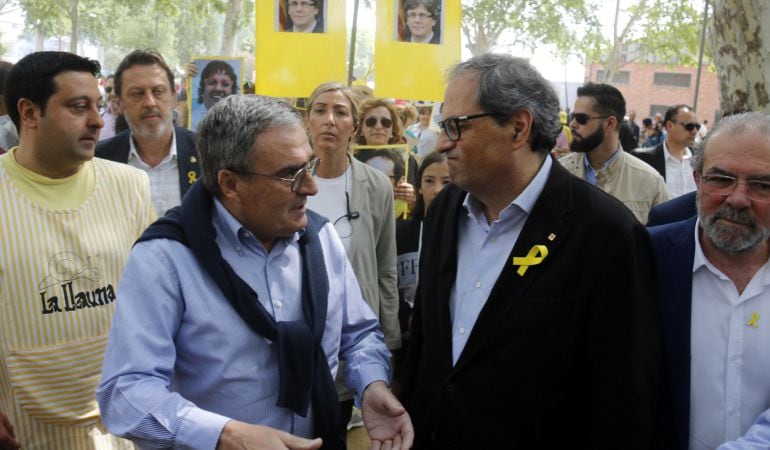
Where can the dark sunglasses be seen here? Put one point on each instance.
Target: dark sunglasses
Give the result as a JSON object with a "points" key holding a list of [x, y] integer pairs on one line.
{"points": [[583, 118], [372, 121], [689, 126]]}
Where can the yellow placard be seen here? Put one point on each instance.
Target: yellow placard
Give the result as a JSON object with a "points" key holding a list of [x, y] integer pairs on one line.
{"points": [[405, 69], [292, 64]]}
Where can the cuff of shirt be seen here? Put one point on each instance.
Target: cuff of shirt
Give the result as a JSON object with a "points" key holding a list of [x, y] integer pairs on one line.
{"points": [[200, 429], [366, 375]]}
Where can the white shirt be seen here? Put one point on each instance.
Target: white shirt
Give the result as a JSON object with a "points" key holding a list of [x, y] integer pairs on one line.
{"points": [[679, 179], [730, 361], [164, 178], [483, 249], [330, 203]]}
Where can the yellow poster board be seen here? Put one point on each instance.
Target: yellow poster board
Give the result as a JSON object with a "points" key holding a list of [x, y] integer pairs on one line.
{"points": [[412, 70], [290, 63]]}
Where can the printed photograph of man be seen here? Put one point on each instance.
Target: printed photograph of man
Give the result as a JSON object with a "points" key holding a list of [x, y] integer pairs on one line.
{"points": [[218, 79], [301, 16], [419, 21]]}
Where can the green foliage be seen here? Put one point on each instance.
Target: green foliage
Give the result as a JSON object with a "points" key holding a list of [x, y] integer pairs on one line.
{"points": [[653, 31], [179, 29], [533, 22]]}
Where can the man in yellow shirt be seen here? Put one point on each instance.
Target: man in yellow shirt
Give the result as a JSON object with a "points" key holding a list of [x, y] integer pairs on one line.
{"points": [[68, 223]]}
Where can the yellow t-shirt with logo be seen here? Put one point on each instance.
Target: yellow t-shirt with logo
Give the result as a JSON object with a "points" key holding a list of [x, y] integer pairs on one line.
{"points": [[63, 246]]}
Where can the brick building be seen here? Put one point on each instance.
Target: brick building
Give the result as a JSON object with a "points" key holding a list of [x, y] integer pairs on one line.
{"points": [[651, 88]]}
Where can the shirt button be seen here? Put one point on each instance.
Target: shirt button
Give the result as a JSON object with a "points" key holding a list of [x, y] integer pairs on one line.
{"points": [[462, 330], [477, 284], [277, 303]]}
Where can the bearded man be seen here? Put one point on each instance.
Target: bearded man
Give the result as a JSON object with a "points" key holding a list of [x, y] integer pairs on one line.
{"points": [[598, 158], [714, 279]]}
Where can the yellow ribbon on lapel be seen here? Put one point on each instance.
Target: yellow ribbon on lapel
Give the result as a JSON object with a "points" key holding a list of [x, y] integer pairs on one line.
{"points": [[535, 256], [754, 321]]}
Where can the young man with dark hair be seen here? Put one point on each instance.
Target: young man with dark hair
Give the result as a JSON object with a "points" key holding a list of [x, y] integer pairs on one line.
{"points": [[68, 225], [598, 158]]}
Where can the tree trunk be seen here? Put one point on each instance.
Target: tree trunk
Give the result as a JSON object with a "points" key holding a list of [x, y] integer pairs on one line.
{"points": [[39, 38], [740, 40], [231, 27], [73, 13]]}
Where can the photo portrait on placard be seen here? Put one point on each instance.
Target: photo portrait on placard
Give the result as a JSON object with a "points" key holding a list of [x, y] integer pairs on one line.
{"points": [[216, 78], [418, 21], [300, 16], [392, 160]]}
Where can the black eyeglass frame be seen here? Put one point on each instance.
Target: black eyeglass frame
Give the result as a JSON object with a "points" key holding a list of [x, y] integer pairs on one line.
{"points": [[445, 124], [294, 181], [584, 118]]}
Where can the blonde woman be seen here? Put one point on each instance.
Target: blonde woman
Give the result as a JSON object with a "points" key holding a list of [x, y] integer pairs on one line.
{"points": [[358, 200]]}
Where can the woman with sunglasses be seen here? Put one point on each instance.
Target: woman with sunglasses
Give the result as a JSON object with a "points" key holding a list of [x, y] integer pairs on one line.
{"points": [[381, 125], [357, 199]]}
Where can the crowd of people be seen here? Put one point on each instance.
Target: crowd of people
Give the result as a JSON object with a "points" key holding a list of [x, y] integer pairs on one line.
{"points": [[281, 273]]}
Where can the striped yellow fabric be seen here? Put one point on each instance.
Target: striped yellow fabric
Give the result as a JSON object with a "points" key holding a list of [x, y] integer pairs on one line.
{"points": [[59, 271]]}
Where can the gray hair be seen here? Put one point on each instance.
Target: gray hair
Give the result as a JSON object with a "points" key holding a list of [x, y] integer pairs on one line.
{"points": [[508, 84], [227, 133], [732, 125]]}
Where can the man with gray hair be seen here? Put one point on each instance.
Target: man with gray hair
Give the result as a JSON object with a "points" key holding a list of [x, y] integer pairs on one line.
{"points": [[535, 322], [245, 301], [714, 274]]}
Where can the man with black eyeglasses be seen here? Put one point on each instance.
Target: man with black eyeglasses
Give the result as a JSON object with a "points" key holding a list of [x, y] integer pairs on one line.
{"points": [[535, 320], [714, 273], [598, 158], [672, 157], [235, 309]]}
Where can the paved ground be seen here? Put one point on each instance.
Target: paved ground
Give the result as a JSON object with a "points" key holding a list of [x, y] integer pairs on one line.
{"points": [[358, 439]]}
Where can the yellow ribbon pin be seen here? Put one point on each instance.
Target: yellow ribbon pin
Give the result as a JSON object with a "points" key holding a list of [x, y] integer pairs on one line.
{"points": [[754, 321], [535, 256], [191, 177]]}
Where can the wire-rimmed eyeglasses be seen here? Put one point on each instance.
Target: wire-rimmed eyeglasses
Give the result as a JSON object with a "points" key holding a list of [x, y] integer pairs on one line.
{"points": [[724, 185], [294, 181]]}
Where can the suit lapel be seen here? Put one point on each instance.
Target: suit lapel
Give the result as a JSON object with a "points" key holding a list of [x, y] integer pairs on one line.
{"points": [[545, 226], [675, 253]]}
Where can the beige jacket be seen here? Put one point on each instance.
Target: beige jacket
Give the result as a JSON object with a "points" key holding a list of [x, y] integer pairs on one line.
{"points": [[629, 179]]}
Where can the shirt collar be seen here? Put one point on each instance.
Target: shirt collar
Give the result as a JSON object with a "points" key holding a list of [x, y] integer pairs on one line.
{"points": [[525, 201], [425, 40], [132, 153], [234, 232], [308, 29], [667, 154]]}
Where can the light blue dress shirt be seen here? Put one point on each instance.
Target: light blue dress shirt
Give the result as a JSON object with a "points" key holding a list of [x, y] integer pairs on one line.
{"points": [[591, 173], [483, 249], [757, 438], [181, 362]]}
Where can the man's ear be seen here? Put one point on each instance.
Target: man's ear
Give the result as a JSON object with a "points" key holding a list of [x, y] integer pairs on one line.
{"points": [[521, 121], [228, 183], [29, 113]]}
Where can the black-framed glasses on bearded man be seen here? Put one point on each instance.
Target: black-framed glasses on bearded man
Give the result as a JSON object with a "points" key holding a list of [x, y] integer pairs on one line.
{"points": [[452, 125], [294, 177], [724, 185], [583, 118]]}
